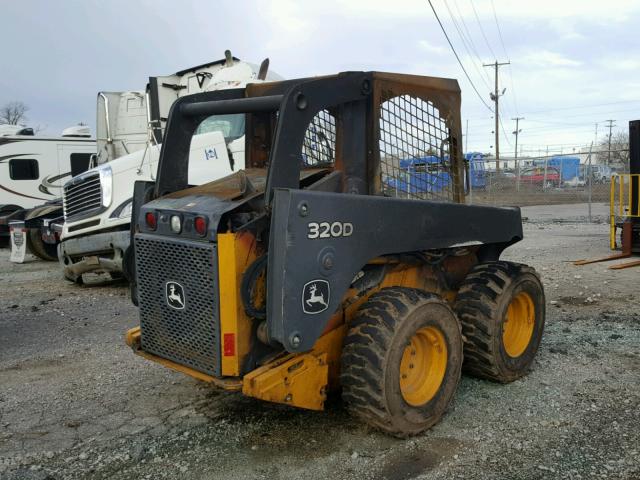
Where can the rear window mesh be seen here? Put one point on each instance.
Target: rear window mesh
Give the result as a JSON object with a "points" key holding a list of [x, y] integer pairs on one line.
{"points": [[319, 144], [414, 150]]}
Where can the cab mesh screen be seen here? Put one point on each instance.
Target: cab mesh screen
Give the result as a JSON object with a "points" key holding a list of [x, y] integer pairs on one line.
{"points": [[414, 150], [319, 144]]}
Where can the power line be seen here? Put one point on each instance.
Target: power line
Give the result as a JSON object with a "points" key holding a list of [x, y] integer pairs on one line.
{"points": [[546, 123], [600, 114], [551, 122], [557, 133], [582, 106], [495, 17], [562, 128], [464, 44], [470, 38], [482, 29], [457, 57], [585, 147], [504, 132], [504, 49], [559, 126], [545, 144], [593, 115]]}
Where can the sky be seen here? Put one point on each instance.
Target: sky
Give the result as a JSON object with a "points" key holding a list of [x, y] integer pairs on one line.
{"points": [[574, 63]]}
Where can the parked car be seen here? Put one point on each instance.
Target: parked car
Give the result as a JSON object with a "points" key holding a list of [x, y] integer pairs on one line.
{"points": [[575, 182], [537, 176], [601, 173]]}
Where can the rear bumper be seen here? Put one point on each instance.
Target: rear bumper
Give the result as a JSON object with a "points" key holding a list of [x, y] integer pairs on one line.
{"points": [[102, 252], [296, 379], [132, 338]]}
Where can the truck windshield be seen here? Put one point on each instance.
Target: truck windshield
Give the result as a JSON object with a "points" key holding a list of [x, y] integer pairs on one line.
{"points": [[231, 126]]}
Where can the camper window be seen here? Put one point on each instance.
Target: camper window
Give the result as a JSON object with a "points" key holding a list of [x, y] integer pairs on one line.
{"points": [[23, 169], [79, 163]]}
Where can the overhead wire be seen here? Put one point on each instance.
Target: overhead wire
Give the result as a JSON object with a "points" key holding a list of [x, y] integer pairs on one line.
{"points": [[506, 137], [577, 107], [471, 42], [457, 57], [585, 114], [504, 49], [486, 40], [482, 30], [469, 45], [464, 43]]}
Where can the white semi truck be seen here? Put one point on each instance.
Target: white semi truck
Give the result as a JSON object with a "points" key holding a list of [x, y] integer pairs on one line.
{"points": [[97, 204]]}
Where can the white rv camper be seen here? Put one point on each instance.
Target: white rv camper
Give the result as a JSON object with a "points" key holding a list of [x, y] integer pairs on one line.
{"points": [[95, 235], [34, 168]]}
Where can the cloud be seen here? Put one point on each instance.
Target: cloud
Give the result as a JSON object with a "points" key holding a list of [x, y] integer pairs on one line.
{"points": [[431, 48], [546, 58], [563, 53], [612, 10], [622, 63]]}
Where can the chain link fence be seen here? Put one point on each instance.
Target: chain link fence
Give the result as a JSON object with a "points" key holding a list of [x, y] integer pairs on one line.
{"points": [[543, 180]]}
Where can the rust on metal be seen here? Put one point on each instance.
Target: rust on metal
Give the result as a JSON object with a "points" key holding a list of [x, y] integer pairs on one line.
{"points": [[627, 238]]}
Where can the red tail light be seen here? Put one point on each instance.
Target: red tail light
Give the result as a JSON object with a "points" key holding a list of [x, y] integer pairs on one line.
{"points": [[229, 344], [150, 217], [200, 225]]}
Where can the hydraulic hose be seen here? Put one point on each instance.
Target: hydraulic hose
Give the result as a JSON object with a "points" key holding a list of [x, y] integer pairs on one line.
{"points": [[248, 285]]}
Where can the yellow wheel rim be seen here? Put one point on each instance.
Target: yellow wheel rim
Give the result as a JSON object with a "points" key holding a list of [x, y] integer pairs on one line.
{"points": [[423, 365], [517, 328]]}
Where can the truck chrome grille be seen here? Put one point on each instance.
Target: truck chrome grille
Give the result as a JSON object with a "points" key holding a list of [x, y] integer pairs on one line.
{"points": [[188, 335], [82, 196]]}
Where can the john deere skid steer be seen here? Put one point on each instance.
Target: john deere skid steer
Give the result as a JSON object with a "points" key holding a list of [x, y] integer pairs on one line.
{"points": [[342, 256]]}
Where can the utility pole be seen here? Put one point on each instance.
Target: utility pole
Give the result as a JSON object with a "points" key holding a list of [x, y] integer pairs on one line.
{"points": [[466, 137], [517, 165], [516, 133], [495, 96], [611, 125]]}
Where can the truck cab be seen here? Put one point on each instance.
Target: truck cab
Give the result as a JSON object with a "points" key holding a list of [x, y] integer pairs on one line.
{"points": [[97, 204]]}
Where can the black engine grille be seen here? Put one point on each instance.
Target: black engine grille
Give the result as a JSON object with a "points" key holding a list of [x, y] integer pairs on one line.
{"points": [[189, 336]]}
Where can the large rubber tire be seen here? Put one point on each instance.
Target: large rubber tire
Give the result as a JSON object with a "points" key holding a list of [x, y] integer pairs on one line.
{"points": [[375, 347], [39, 247], [5, 210], [483, 306]]}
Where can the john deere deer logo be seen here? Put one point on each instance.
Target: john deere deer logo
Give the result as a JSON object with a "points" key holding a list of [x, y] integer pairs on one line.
{"points": [[175, 295], [315, 296]]}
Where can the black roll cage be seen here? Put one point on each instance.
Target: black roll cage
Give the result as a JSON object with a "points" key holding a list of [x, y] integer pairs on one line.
{"points": [[290, 106]]}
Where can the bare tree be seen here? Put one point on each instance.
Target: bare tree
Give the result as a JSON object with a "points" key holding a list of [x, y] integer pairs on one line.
{"points": [[13, 113], [619, 156]]}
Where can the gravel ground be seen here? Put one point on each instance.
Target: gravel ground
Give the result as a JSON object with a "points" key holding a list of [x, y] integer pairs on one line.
{"points": [[76, 403]]}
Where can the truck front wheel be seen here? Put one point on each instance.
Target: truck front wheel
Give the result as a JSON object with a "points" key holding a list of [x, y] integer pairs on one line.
{"points": [[39, 247]]}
